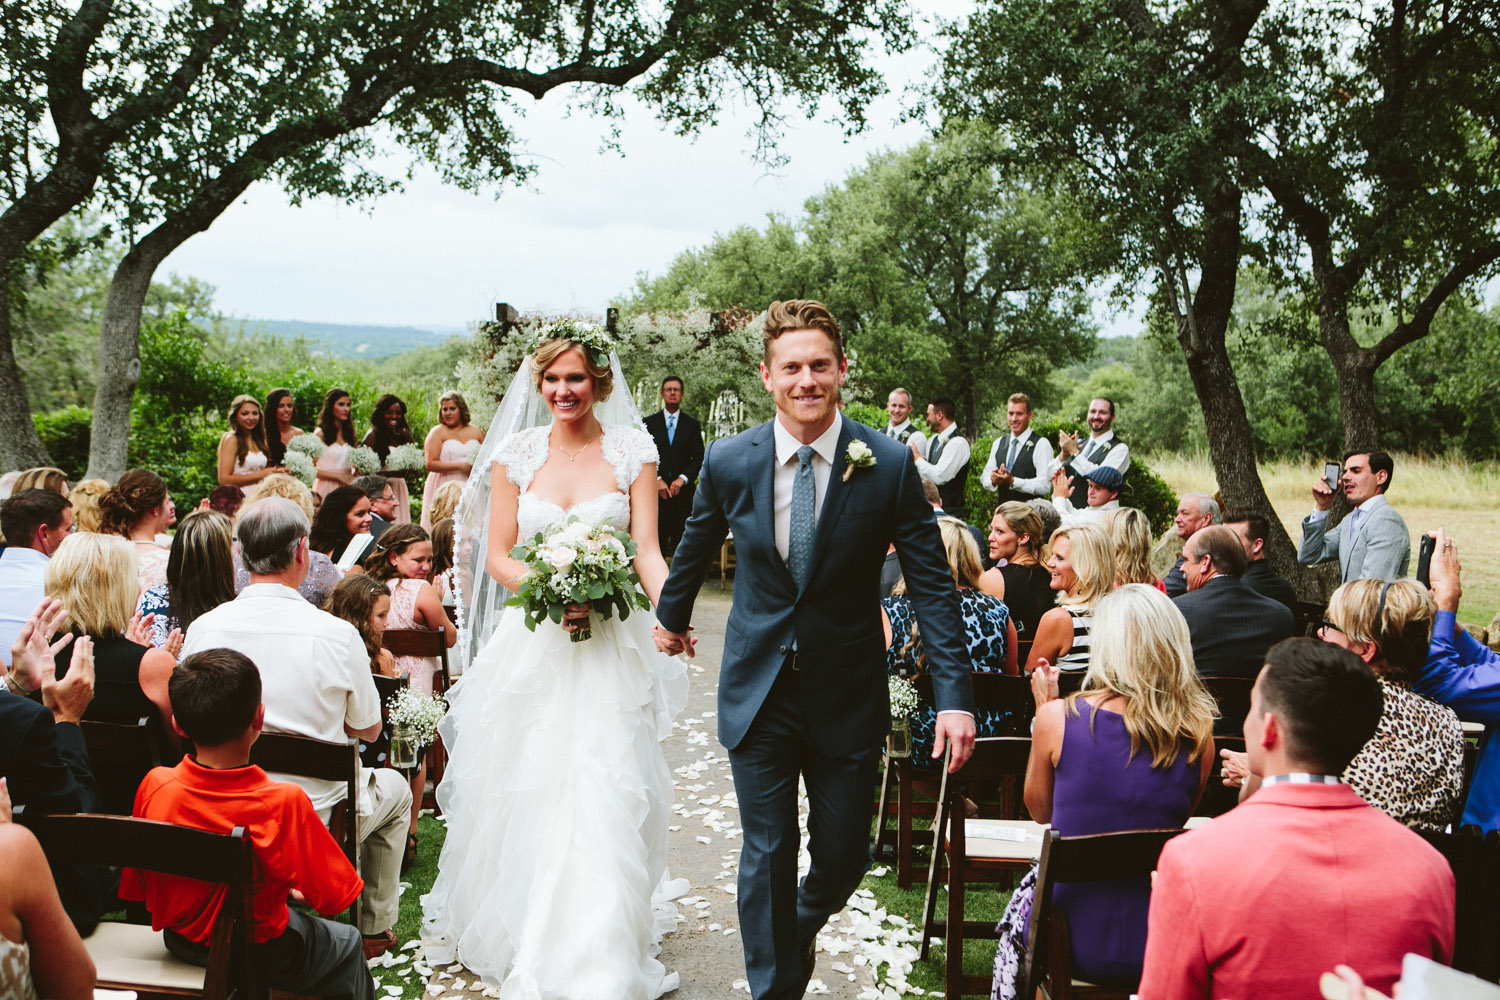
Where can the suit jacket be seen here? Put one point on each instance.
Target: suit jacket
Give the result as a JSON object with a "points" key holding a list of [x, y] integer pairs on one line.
{"points": [[1175, 581], [1380, 550], [684, 456], [1262, 579], [1298, 878], [834, 621], [378, 525], [1232, 626]]}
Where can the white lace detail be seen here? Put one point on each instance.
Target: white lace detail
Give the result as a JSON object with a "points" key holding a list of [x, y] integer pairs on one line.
{"points": [[626, 449], [535, 515], [522, 454]]}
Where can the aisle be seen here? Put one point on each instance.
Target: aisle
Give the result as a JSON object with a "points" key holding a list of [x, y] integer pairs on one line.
{"points": [[705, 950]]}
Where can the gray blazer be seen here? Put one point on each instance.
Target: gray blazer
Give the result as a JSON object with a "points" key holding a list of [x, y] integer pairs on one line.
{"points": [[1379, 550]]}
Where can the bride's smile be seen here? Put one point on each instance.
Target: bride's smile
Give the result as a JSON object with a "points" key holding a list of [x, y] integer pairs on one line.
{"points": [[568, 387]]}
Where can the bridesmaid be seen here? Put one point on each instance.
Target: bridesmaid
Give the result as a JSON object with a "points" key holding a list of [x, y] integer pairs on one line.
{"points": [[243, 455], [336, 431], [387, 430], [280, 408], [446, 449]]}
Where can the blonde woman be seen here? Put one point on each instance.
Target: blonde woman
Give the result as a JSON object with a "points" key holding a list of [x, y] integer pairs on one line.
{"points": [[85, 500], [322, 574], [1131, 750], [1082, 570], [1023, 583], [445, 501], [94, 576], [43, 477], [446, 449], [242, 456], [1131, 530]]}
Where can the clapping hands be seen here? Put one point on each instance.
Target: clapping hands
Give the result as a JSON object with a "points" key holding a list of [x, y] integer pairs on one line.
{"points": [[33, 649], [1044, 682]]}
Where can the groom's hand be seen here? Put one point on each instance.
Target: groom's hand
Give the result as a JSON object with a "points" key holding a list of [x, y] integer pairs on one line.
{"points": [[958, 727], [673, 643]]}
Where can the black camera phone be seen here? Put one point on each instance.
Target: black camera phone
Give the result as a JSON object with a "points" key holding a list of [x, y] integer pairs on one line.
{"points": [[1424, 560], [1332, 473]]}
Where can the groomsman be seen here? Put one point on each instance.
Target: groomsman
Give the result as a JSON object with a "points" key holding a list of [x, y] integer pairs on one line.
{"points": [[1020, 463], [1103, 447], [944, 461], [679, 445], [898, 406]]}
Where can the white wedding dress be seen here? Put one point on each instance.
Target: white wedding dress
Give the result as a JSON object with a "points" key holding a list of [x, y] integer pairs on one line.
{"points": [[552, 881]]}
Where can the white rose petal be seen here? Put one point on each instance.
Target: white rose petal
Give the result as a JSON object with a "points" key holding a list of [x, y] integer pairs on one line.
{"points": [[562, 557]]}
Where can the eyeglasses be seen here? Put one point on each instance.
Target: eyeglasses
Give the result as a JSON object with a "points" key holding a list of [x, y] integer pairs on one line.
{"points": [[1326, 624]]}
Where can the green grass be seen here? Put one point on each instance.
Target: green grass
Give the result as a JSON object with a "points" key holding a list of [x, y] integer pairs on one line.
{"points": [[409, 918]]}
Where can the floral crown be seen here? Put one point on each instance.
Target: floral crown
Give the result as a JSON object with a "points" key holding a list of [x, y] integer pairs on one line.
{"points": [[592, 338]]}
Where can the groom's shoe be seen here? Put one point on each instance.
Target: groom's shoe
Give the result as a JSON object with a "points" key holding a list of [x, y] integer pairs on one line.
{"points": [[809, 962]]}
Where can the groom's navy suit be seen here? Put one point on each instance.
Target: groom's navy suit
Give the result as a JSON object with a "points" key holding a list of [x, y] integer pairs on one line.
{"points": [[802, 685]]}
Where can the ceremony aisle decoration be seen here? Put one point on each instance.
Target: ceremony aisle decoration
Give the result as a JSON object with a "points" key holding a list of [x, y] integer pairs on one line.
{"points": [[578, 562], [414, 717], [903, 703]]}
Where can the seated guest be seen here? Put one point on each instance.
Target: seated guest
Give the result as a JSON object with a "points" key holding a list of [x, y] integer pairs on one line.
{"points": [[94, 577], [1105, 482], [1464, 674], [1022, 582], [200, 576], [43, 477], [85, 498], [216, 701], [445, 501], [400, 561], [138, 509], [1413, 767], [316, 676], [1131, 530], [1195, 512], [322, 574], [382, 496], [227, 500], [1082, 569], [1051, 520], [41, 953], [1253, 529], [989, 635], [341, 528], [1304, 875], [1232, 626], [441, 574], [1131, 750], [34, 522]]}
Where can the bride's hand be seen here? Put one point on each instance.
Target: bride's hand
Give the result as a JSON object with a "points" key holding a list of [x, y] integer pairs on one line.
{"points": [[576, 616]]}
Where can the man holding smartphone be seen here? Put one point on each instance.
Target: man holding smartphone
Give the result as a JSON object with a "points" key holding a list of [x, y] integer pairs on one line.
{"points": [[1372, 542]]}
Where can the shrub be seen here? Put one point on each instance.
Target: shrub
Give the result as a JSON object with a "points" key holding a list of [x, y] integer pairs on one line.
{"points": [[66, 434]]}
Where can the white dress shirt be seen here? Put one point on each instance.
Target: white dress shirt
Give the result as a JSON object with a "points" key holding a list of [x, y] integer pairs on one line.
{"points": [[1041, 457], [824, 449], [23, 574], [955, 454], [894, 430], [1073, 517], [1117, 457]]}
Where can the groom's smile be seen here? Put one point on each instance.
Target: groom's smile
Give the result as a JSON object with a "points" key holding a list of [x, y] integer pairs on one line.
{"points": [[803, 372]]}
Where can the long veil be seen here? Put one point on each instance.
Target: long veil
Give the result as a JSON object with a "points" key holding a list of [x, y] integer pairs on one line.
{"points": [[478, 596]]}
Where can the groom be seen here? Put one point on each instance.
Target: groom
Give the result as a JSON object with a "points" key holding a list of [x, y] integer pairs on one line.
{"points": [[802, 687]]}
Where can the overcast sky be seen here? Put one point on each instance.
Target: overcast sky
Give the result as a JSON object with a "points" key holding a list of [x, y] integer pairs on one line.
{"points": [[435, 256]]}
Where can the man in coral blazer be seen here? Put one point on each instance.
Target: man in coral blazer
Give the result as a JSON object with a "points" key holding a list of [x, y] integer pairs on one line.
{"points": [[1304, 875]]}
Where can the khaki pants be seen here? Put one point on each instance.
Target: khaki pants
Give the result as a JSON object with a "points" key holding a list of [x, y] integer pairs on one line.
{"points": [[384, 820]]}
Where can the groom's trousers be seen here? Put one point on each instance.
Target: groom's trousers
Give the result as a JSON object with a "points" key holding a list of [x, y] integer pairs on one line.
{"points": [[777, 916]]}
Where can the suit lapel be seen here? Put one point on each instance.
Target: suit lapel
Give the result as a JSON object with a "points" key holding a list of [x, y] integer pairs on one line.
{"points": [[762, 469], [833, 500]]}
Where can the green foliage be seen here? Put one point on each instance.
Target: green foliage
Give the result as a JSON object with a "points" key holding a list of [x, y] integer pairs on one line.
{"points": [[66, 433]]}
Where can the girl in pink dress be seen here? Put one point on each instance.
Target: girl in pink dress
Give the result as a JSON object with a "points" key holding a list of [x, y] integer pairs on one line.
{"points": [[447, 449]]}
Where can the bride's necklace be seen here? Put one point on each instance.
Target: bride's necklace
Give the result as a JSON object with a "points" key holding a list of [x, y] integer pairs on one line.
{"points": [[572, 456]]}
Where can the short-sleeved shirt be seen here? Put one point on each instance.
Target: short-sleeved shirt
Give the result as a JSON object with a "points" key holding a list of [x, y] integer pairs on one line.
{"points": [[314, 669], [292, 847]]}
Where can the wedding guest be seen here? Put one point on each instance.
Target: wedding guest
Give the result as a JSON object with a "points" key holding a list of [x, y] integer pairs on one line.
{"points": [[382, 496], [226, 500], [138, 508], [1020, 463], [1082, 571], [944, 460], [336, 430], [1103, 448], [280, 411], [1019, 578], [1131, 750], [341, 528], [85, 497], [1104, 485], [365, 603], [1195, 512], [387, 430], [322, 574], [35, 522], [41, 953], [441, 575], [200, 576], [1372, 542], [43, 477], [679, 447], [1131, 530], [1232, 626], [242, 454], [93, 576], [448, 449], [1254, 528], [898, 407], [1051, 520], [445, 503], [402, 560], [989, 635]]}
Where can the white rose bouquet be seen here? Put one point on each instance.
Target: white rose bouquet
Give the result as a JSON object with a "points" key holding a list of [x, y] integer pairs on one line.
{"points": [[578, 562]]}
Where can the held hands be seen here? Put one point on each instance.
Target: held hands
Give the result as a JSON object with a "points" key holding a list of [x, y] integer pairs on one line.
{"points": [[1001, 476], [1044, 680], [673, 643], [67, 698], [675, 488], [662, 489], [575, 618], [31, 651], [1236, 769]]}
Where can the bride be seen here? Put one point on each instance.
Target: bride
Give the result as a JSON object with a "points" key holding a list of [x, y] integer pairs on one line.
{"points": [[552, 881]]}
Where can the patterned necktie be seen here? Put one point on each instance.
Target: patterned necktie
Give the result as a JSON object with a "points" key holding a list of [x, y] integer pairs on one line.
{"points": [[671, 428], [800, 540], [1010, 459]]}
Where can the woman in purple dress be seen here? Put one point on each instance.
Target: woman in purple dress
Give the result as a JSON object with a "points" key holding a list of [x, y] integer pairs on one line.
{"points": [[1131, 750]]}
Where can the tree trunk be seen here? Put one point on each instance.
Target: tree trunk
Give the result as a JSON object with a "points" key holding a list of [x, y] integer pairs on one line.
{"points": [[20, 445], [119, 362]]}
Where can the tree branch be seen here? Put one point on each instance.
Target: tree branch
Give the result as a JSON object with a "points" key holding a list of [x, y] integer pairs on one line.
{"points": [[1419, 325]]}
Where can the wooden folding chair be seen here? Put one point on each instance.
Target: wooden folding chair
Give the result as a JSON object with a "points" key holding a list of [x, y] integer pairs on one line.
{"points": [[120, 755], [305, 757], [1232, 694], [423, 642], [133, 956], [1475, 860], [1047, 968], [958, 858], [1218, 798], [1307, 616]]}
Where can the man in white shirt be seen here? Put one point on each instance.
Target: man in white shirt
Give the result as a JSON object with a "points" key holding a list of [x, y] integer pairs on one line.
{"points": [[35, 522], [1103, 447], [1103, 494], [1372, 543], [945, 459], [316, 681], [1020, 463], [898, 407]]}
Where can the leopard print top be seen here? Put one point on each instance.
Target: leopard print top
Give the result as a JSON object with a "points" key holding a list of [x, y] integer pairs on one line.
{"points": [[1412, 768]]}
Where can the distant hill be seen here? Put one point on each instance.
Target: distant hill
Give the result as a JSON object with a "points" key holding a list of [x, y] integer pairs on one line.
{"points": [[350, 340]]}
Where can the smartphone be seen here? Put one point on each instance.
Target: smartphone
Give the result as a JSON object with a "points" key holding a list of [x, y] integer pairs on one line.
{"points": [[1332, 471], [1424, 560]]}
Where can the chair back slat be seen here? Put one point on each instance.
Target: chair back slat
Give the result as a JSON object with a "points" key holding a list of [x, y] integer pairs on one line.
{"points": [[120, 754], [387, 687], [420, 642], [1232, 694], [305, 757]]}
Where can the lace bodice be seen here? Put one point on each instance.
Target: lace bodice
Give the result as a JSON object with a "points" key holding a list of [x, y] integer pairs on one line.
{"points": [[625, 448]]}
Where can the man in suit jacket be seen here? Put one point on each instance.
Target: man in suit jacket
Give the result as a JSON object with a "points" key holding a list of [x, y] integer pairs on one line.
{"points": [[679, 448], [1231, 625], [814, 501], [382, 503], [1303, 875], [1195, 512], [1253, 527], [1372, 543]]}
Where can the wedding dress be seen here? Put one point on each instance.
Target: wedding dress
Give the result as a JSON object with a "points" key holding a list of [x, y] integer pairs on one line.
{"points": [[552, 881]]}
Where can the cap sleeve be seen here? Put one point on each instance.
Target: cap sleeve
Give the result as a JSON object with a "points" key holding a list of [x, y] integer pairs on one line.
{"points": [[627, 449]]}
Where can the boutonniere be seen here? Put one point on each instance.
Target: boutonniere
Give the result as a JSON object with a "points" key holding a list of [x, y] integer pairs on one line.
{"points": [[858, 456]]}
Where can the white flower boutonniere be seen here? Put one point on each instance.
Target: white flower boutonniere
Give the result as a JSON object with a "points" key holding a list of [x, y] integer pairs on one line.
{"points": [[858, 456]]}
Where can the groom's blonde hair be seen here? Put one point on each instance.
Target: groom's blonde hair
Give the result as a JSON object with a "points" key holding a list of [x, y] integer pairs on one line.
{"points": [[800, 314]]}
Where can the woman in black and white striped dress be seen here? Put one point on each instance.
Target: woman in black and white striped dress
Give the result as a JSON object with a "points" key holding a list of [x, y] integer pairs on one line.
{"points": [[1083, 571]]}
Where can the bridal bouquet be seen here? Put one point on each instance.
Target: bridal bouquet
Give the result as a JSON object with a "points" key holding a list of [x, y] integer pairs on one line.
{"points": [[577, 562], [408, 462]]}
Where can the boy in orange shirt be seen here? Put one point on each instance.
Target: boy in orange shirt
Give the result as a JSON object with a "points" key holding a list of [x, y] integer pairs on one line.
{"points": [[216, 703]]}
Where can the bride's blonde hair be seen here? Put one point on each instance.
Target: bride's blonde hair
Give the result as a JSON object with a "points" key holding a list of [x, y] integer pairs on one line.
{"points": [[548, 351]]}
